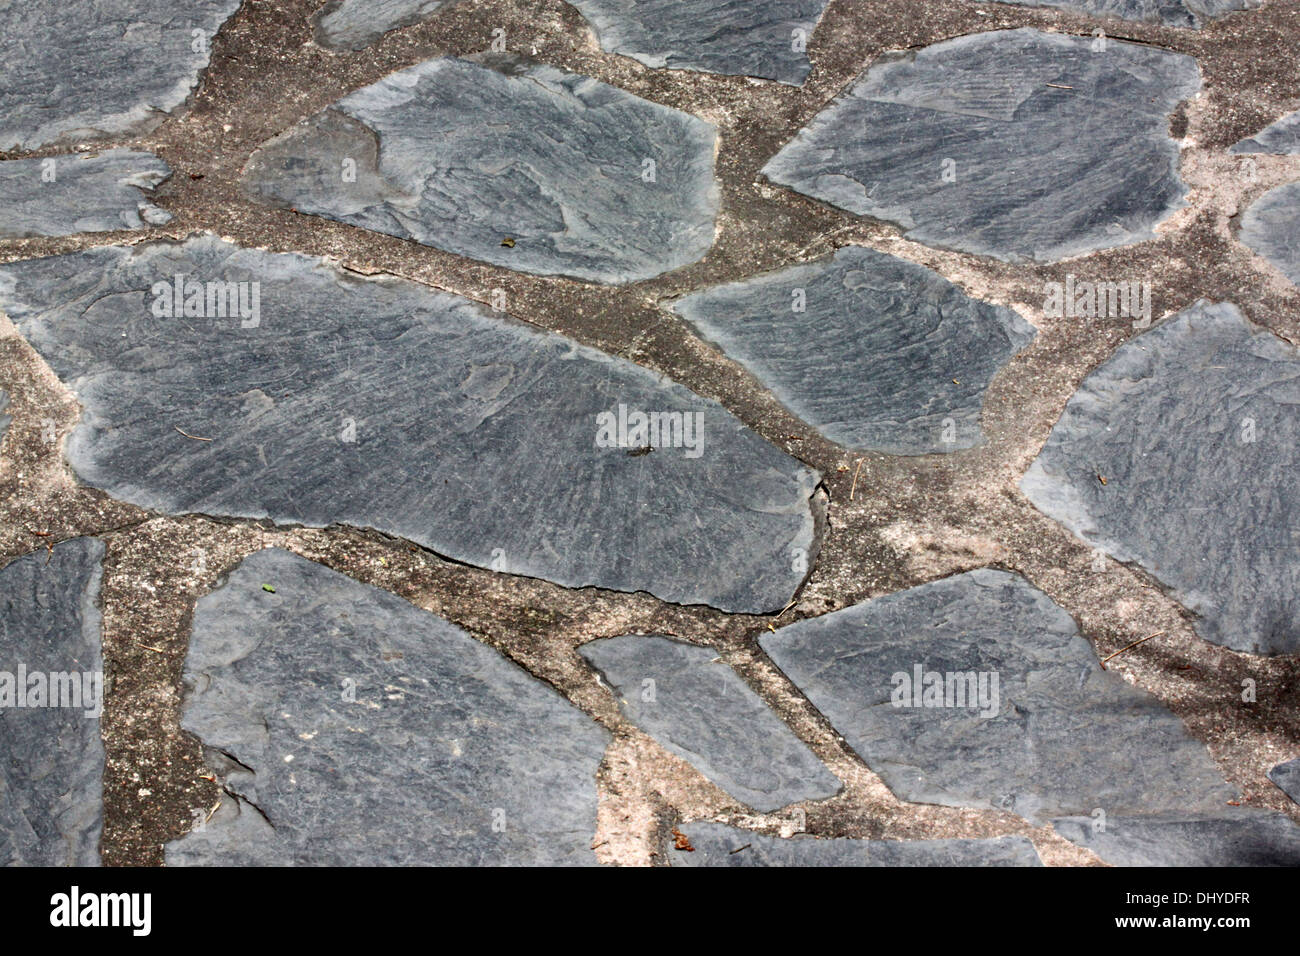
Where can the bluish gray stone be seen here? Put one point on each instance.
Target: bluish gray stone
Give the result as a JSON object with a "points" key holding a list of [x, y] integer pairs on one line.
{"points": [[1061, 735], [699, 709], [101, 68], [51, 754], [1015, 144], [1170, 13], [1287, 777], [719, 845], [382, 403], [1271, 227], [1193, 427], [356, 730], [356, 24], [62, 195], [873, 351], [1280, 137], [762, 38], [1239, 836], [581, 178]]}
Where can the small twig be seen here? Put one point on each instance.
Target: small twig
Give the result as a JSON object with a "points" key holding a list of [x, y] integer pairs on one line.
{"points": [[788, 606], [1058, 86], [853, 487], [40, 534], [147, 647], [738, 849], [188, 435], [1134, 644]]}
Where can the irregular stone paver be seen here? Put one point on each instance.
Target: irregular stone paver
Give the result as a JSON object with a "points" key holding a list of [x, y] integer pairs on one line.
{"points": [[719, 845], [382, 403], [374, 733], [1230, 837], [1015, 144], [1050, 747], [873, 351], [61, 195], [1280, 137], [762, 38], [113, 68], [51, 695], [699, 709], [520, 165], [356, 24], [1193, 425], [1287, 777], [1171, 13], [1271, 227]]}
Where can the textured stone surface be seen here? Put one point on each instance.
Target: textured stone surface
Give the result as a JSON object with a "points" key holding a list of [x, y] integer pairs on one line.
{"points": [[111, 68], [719, 845], [1015, 144], [1229, 837], [884, 353], [1193, 425], [1050, 749], [463, 156], [1172, 13], [1287, 777], [89, 193], [746, 37], [356, 24], [447, 754], [1271, 227], [382, 403], [51, 758], [698, 708], [1280, 137]]}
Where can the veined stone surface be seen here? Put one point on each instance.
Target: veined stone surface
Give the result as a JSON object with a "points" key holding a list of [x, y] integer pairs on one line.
{"points": [[116, 68], [1233, 836], [1280, 137], [1287, 777], [356, 24], [1193, 425], [1047, 746], [873, 351], [362, 731], [700, 710], [762, 38], [87, 193], [381, 403], [520, 165], [1170, 13], [1271, 227], [1016, 144], [51, 757]]}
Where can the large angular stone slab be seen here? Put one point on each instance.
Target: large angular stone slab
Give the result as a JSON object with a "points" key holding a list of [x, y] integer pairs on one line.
{"points": [[381, 403], [699, 709], [51, 696], [103, 69], [1193, 427], [716, 844], [873, 351], [1271, 227], [1229, 837], [62, 195], [1015, 144], [762, 38], [358, 730], [1280, 137], [1287, 777], [357, 24], [1059, 736], [1170, 13], [520, 165]]}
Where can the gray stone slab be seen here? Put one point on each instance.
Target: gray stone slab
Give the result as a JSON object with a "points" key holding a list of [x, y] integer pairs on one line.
{"points": [[102, 69], [519, 165], [1287, 777], [385, 404], [1170, 13], [62, 195], [1193, 426], [1015, 144], [873, 351], [762, 38], [1280, 137], [719, 845], [1231, 837], [356, 729], [1063, 735], [357, 24], [699, 709], [51, 696], [1271, 227]]}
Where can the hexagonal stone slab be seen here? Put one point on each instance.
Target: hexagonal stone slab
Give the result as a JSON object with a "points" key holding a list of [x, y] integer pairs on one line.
{"points": [[1280, 137], [1287, 777], [357, 730], [909, 680], [762, 38], [873, 351], [1230, 837], [62, 195], [1193, 427], [717, 844], [1271, 227], [1015, 144], [699, 709], [51, 696], [520, 165], [116, 69], [329, 398], [356, 24], [1170, 13]]}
